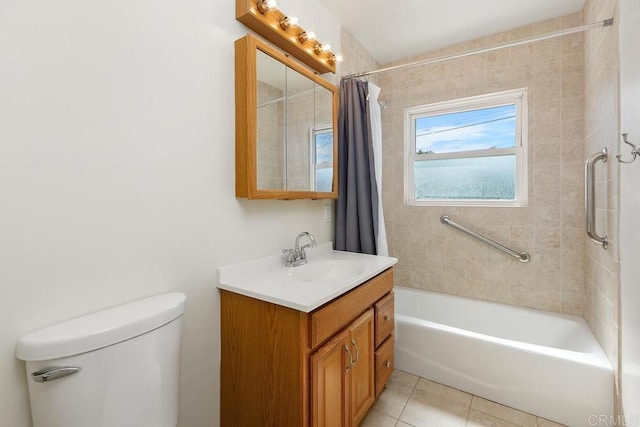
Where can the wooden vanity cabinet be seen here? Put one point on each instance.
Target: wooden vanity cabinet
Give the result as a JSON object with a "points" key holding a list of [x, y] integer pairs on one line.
{"points": [[342, 376], [284, 367]]}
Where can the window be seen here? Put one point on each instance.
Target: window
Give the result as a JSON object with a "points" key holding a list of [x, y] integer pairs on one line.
{"points": [[469, 151], [322, 158]]}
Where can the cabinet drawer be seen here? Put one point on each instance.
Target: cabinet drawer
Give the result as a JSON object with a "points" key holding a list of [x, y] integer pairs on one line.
{"points": [[384, 318], [384, 364], [335, 315]]}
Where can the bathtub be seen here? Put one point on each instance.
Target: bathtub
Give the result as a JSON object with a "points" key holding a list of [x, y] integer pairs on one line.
{"points": [[543, 363]]}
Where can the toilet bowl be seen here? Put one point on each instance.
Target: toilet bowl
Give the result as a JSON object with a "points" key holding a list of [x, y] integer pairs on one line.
{"points": [[114, 368]]}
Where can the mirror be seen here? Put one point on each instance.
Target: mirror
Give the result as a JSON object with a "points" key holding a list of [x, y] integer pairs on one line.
{"points": [[286, 141]]}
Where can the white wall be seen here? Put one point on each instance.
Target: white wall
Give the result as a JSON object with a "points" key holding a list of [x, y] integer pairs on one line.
{"points": [[117, 172]]}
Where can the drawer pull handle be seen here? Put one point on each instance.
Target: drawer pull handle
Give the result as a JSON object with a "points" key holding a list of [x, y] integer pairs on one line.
{"points": [[387, 317], [353, 342], [346, 348], [387, 364]]}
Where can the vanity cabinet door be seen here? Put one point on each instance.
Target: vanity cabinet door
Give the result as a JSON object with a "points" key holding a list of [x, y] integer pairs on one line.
{"points": [[342, 376], [330, 367], [362, 392]]}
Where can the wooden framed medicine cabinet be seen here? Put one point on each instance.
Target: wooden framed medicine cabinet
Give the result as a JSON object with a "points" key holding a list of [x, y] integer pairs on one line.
{"points": [[286, 126]]}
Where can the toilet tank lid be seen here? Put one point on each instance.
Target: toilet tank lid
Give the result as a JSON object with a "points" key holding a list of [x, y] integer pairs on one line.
{"points": [[101, 329]]}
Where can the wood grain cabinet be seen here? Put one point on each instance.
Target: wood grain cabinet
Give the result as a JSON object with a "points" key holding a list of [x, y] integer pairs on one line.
{"points": [[283, 367], [342, 376]]}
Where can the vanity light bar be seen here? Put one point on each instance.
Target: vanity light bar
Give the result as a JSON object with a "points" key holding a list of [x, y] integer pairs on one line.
{"points": [[264, 17]]}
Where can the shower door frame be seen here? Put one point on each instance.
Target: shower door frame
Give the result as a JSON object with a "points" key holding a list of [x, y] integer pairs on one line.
{"points": [[629, 15]]}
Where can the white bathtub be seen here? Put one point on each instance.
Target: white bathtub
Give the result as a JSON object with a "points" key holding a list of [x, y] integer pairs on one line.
{"points": [[543, 363]]}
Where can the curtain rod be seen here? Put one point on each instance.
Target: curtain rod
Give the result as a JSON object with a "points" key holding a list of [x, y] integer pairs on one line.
{"points": [[605, 23]]}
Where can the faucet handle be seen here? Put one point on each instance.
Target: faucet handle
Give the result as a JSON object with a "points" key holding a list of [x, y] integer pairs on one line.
{"points": [[289, 252], [293, 257]]}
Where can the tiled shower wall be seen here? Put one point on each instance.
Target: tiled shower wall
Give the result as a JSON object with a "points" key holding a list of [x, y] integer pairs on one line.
{"points": [[602, 272], [551, 228], [356, 57], [270, 149]]}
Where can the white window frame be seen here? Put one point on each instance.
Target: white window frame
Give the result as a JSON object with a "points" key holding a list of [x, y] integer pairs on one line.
{"points": [[323, 128], [517, 97]]}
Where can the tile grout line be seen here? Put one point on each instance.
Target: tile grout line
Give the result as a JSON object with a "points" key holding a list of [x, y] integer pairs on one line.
{"points": [[466, 423], [537, 418], [407, 402]]}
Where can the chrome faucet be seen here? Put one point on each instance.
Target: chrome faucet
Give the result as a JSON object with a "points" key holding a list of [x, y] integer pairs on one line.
{"points": [[297, 255]]}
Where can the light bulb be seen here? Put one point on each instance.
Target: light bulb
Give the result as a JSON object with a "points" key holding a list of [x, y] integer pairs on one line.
{"points": [[288, 21], [335, 58], [306, 35], [266, 5], [321, 48]]}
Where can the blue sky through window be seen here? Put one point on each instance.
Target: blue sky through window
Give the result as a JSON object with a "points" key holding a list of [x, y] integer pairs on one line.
{"points": [[324, 147], [324, 159], [479, 129]]}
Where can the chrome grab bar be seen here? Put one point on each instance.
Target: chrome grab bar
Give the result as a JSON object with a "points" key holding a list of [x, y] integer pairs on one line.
{"points": [[522, 256], [590, 197]]}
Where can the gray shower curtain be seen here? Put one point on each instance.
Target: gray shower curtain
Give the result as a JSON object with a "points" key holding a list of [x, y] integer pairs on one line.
{"points": [[356, 225]]}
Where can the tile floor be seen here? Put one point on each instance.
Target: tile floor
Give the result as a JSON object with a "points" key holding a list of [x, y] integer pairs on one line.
{"points": [[413, 401]]}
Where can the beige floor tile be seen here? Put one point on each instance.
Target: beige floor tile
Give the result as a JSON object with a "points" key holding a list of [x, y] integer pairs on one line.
{"points": [[444, 392], [505, 413], [546, 423], [405, 378], [393, 399], [378, 419], [427, 409], [480, 419], [411, 401]]}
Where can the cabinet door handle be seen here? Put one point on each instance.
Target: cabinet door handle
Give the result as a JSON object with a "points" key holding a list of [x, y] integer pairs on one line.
{"points": [[387, 317], [353, 343], [387, 364], [346, 348]]}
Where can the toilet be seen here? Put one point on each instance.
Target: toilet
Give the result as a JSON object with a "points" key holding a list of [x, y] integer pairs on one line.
{"points": [[114, 368]]}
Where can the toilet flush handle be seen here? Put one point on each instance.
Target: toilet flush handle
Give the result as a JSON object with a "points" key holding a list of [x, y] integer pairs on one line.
{"points": [[53, 373]]}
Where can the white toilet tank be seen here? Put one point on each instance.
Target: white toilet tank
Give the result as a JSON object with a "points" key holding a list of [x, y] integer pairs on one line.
{"points": [[115, 368]]}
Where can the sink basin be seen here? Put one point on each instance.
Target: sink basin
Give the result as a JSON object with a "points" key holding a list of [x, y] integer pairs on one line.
{"points": [[324, 270], [327, 275]]}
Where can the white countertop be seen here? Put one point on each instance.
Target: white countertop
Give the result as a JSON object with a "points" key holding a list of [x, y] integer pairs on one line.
{"points": [[327, 275]]}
